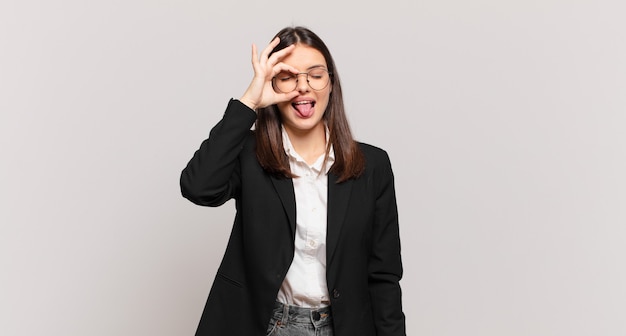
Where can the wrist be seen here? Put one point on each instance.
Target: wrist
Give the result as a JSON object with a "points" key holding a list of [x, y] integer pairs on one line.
{"points": [[248, 103]]}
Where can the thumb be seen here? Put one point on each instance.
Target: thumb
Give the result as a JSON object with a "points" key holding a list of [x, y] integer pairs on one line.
{"points": [[291, 95]]}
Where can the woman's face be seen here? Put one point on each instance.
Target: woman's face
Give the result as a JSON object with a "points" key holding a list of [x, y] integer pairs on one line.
{"points": [[304, 113]]}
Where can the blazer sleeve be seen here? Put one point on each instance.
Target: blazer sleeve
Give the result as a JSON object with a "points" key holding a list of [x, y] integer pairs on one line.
{"points": [[385, 265], [212, 176]]}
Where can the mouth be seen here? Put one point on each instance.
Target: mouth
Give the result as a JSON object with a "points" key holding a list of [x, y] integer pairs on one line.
{"points": [[304, 107]]}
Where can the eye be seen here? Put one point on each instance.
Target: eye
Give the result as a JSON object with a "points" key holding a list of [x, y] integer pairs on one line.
{"points": [[317, 74], [285, 77]]}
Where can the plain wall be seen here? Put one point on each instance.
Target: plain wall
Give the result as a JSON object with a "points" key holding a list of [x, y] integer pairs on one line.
{"points": [[505, 122]]}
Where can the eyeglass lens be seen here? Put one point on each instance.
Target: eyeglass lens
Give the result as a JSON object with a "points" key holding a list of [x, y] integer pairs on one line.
{"points": [[285, 81]]}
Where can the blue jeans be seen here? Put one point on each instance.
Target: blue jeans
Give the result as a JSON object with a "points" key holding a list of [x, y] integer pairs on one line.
{"points": [[297, 321]]}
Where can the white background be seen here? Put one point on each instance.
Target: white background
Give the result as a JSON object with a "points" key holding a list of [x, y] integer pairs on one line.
{"points": [[505, 122]]}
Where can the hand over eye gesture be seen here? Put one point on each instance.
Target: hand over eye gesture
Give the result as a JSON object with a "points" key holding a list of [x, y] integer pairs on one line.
{"points": [[260, 92]]}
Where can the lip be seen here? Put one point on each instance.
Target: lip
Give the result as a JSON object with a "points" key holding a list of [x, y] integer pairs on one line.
{"points": [[302, 99]]}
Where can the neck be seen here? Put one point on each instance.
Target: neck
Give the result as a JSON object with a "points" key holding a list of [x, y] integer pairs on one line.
{"points": [[309, 144]]}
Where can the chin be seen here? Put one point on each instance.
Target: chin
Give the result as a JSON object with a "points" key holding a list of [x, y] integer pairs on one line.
{"points": [[305, 124]]}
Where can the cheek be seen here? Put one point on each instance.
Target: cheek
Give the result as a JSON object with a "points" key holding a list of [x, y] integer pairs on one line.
{"points": [[324, 99]]}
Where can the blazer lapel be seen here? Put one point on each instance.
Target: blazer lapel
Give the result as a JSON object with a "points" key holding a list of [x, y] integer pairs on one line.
{"points": [[338, 199], [284, 188]]}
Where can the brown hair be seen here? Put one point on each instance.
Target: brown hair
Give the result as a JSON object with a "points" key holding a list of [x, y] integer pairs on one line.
{"points": [[349, 160]]}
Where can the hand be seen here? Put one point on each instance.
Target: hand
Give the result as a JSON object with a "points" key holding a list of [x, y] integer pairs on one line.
{"points": [[260, 93]]}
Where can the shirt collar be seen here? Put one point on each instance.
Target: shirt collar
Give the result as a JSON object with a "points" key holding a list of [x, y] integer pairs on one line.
{"points": [[295, 157]]}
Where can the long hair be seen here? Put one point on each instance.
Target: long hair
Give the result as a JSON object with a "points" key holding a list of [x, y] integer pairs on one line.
{"points": [[349, 160]]}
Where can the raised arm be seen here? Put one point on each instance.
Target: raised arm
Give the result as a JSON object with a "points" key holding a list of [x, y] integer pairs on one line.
{"points": [[212, 175]]}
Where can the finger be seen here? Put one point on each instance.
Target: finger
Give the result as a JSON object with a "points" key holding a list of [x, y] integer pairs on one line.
{"points": [[281, 54], [254, 53], [284, 97], [290, 95], [255, 56], [265, 53], [283, 67]]}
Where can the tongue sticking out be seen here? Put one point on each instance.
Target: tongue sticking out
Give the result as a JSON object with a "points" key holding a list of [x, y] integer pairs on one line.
{"points": [[304, 110]]}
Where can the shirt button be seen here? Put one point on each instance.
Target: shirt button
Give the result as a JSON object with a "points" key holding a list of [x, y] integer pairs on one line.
{"points": [[312, 243]]}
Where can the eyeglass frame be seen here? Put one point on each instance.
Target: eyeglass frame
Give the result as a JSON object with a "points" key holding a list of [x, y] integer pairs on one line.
{"points": [[297, 75]]}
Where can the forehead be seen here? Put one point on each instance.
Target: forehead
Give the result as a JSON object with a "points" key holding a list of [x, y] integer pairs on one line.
{"points": [[304, 57]]}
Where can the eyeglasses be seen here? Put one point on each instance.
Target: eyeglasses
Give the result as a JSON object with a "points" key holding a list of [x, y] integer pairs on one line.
{"points": [[285, 82]]}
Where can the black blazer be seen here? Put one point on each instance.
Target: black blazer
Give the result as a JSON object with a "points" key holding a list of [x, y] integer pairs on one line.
{"points": [[363, 246]]}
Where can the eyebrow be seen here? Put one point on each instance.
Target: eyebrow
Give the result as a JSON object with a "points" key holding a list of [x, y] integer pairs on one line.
{"points": [[316, 66]]}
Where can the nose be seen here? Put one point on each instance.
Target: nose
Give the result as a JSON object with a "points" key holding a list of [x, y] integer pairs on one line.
{"points": [[302, 84]]}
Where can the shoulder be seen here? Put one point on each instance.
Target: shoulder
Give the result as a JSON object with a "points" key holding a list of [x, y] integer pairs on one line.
{"points": [[374, 154], [376, 159]]}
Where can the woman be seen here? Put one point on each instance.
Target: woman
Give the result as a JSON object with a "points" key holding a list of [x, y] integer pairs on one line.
{"points": [[315, 247]]}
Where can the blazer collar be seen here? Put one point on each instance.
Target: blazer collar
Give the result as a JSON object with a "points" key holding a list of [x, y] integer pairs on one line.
{"points": [[284, 189], [338, 200]]}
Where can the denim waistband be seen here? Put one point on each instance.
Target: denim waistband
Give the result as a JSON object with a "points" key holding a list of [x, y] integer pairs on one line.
{"points": [[302, 315]]}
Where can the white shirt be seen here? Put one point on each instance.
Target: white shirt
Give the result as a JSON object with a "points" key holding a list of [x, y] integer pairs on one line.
{"points": [[305, 282]]}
